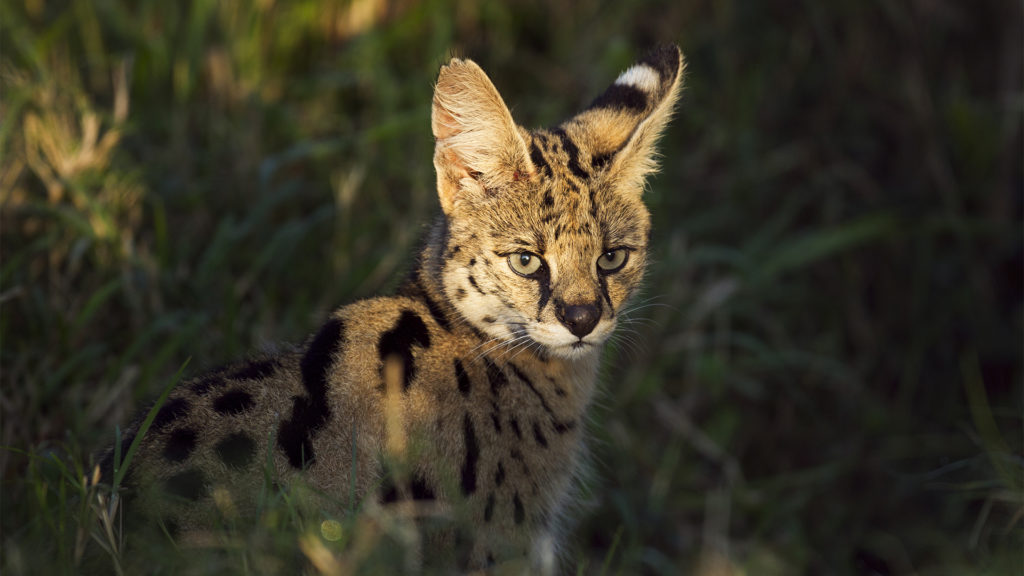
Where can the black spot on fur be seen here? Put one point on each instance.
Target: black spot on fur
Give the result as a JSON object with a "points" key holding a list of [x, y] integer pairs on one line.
{"points": [[171, 410], [436, 313], [496, 421], [549, 200], [310, 412], [416, 291], [495, 376], [173, 528], [190, 485], [462, 378], [489, 319], [472, 261], [460, 293], [237, 450], [472, 455], [295, 434], [388, 491], [561, 427], [234, 402], [409, 331], [255, 370], [180, 444], [515, 427], [499, 475], [621, 97], [520, 513], [207, 383], [538, 435], [421, 490], [472, 282], [489, 508]]}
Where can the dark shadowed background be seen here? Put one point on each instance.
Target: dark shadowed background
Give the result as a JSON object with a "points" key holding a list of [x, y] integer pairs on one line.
{"points": [[827, 378]]}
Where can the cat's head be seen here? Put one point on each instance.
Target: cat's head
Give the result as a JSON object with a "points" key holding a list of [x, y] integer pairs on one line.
{"points": [[547, 230]]}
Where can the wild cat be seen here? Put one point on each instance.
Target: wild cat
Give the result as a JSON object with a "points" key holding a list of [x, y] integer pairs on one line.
{"points": [[470, 385]]}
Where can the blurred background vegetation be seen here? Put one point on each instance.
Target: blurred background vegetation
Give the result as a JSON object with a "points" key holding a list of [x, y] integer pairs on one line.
{"points": [[827, 380]]}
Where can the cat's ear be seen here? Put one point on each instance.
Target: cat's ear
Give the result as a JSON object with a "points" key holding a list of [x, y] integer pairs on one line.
{"points": [[622, 125], [478, 145]]}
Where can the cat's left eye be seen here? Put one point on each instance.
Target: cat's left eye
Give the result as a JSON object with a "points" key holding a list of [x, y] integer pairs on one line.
{"points": [[524, 263], [612, 260]]}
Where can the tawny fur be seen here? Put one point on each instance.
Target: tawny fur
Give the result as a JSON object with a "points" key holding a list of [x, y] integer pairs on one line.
{"points": [[468, 386]]}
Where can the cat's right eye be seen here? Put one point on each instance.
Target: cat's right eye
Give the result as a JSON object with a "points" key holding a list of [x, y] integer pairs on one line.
{"points": [[525, 263]]}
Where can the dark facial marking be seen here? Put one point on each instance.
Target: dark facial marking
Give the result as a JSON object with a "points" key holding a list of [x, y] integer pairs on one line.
{"points": [[472, 261], [409, 331], [472, 282], [544, 284], [600, 161], [255, 370], [190, 485], [234, 402], [472, 455], [520, 513], [573, 152], [604, 292], [462, 378], [310, 412], [460, 293], [236, 451], [489, 319], [538, 435], [538, 159], [180, 444], [549, 200], [171, 410]]}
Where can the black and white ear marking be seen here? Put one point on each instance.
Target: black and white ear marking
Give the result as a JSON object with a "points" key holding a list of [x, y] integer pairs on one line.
{"points": [[624, 122]]}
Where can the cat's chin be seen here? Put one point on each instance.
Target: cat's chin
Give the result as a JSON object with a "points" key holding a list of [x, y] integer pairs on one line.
{"points": [[576, 351]]}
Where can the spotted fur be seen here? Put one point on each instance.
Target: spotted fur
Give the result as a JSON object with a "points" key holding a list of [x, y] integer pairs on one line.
{"points": [[468, 387]]}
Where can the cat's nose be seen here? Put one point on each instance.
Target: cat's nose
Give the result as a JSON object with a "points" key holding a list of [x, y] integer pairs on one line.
{"points": [[579, 319]]}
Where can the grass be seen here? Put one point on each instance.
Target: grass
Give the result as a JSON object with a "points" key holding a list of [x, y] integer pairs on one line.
{"points": [[825, 376]]}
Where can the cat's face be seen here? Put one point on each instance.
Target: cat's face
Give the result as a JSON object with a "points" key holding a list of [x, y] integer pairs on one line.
{"points": [[548, 263], [547, 231]]}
